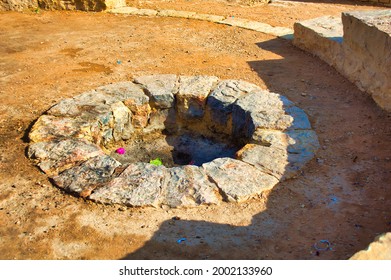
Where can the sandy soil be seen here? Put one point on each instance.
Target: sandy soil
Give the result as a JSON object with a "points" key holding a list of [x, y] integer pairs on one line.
{"points": [[342, 196]]}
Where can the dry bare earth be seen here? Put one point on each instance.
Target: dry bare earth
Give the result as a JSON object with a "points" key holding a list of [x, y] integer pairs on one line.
{"points": [[343, 196]]}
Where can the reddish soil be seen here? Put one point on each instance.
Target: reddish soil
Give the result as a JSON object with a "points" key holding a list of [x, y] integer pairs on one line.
{"points": [[343, 195]]}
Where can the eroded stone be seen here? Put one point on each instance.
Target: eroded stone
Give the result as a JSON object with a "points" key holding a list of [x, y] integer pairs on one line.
{"points": [[220, 102], [84, 178], [294, 141], [122, 127], [140, 184], [192, 94], [101, 124], [274, 160], [48, 128], [160, 89], [58, 155], [72, 107], [133, 97], [189, 186], [237, 180], [265, 110]]}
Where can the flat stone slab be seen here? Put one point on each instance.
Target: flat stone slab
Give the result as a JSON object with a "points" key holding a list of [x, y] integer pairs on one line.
{"points": [[281, 32], [264, 110], [139, 184], [189, 186], [321, 36], [59, 155], [258, 26], [84, 178], [73, 141], [237, 180]]}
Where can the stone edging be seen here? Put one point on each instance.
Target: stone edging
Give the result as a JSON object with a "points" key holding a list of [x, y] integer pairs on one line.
{"points": [[72, 141], [282, 32]]}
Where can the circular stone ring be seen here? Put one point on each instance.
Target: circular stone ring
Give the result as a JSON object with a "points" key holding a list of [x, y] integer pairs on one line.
{"points": [[75, 140]]}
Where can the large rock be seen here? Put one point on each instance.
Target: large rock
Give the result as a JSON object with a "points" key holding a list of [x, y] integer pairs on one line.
{"points": [[143, 184], [261, 110], [238, 181], [140, 184], [124, 91], [87, 101], [220, 103], [160, 89], [101, 110], [192, 95], [188, 186], [48, 128], [98, 123], [379, 249], [293, 141], [58, 155], [274, 160], [133, 97], [83, 179]]}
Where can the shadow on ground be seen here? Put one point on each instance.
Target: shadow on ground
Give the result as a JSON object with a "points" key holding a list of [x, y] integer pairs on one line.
{"points": [[329, 200]]}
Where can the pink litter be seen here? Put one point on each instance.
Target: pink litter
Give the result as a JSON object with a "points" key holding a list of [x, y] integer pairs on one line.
{"points": [[120, 151]]}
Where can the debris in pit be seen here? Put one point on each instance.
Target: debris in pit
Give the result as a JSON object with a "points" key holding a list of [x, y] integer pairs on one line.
{"points": [[120, 151], [156, 161]]}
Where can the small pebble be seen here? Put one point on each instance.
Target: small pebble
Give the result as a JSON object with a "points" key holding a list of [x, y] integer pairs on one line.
{"points": [[319, 160], [165, 207]]}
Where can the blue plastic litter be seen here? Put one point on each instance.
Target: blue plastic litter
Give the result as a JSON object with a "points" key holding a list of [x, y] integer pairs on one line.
{"points": [[179, 241]]}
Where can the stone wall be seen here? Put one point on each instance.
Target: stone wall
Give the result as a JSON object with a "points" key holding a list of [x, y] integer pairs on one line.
{"points": [[381, 2], [367, 53], [83, 5], [358, 46], [17, 5]]}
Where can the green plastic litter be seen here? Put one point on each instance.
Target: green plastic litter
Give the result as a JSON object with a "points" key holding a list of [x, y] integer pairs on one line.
{"points": [[156, 161]]}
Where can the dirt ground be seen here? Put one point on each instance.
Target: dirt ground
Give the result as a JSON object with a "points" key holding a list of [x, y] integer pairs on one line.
{"points": [[342, 196]]}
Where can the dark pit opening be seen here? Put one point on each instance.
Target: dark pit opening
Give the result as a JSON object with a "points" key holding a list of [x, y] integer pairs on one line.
{"points": [[185, 148]]}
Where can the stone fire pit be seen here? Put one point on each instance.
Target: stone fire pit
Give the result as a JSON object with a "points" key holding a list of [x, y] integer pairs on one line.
{"points": [[218, 140]]}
